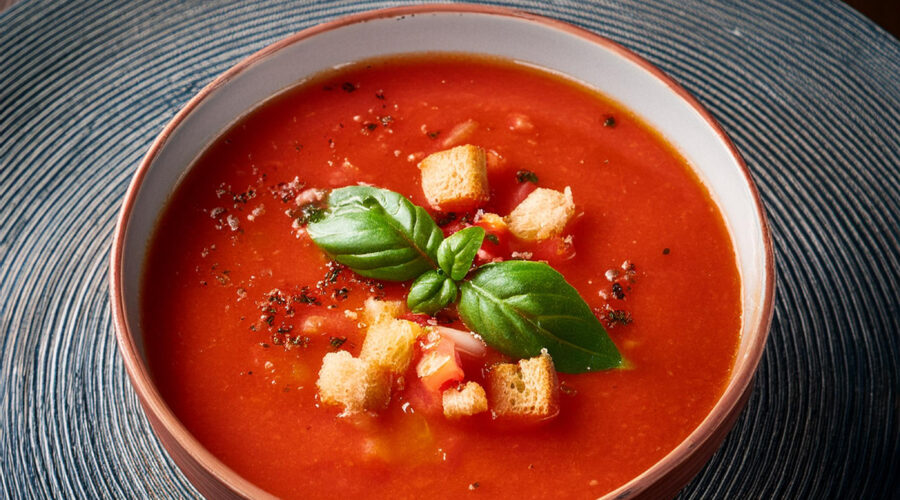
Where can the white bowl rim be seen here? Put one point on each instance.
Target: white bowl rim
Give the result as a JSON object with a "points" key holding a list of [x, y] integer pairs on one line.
{"points": [[742, 372]]}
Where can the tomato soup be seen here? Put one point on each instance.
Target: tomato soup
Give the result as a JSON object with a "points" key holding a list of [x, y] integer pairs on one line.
{"points": [[239, 306]]}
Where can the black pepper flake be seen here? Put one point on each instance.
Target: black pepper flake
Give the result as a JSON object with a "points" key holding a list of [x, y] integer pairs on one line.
{"points": [[609, 122], [371, 126], [340, 293], [666, 251], [243, 198], [306, 298], [474, 486], [334, 270], [617, 291], [379, 95], [348, 87], [492, 238], [309, 213], [337, 342], [446, 218], [618, 317], [435, 134], [526, 176], [264, 345]]}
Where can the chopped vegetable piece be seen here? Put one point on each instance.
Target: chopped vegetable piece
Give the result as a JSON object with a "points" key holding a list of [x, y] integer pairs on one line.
{"points": [[440, 365]]}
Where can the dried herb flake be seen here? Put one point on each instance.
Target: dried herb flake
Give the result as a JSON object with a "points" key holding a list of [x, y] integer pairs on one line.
{"points": [[526, 176]]}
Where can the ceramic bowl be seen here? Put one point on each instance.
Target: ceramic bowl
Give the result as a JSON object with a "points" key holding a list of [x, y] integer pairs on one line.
{"points": [[550, 44]]}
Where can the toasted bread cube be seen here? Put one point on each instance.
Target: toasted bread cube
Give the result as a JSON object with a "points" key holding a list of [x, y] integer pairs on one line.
{"points": [[389, 344], [543, 214], [528, 389], [354, 383], [464, 401], [375, 311], [456, 178]]}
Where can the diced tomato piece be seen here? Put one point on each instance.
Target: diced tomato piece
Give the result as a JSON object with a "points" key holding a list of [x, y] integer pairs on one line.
{"points": [[496, 240], [553, 250], [492, 223], [439, 365], [422, 319]]}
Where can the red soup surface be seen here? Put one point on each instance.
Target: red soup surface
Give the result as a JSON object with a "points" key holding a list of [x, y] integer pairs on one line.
{"points": [[239, 306]]}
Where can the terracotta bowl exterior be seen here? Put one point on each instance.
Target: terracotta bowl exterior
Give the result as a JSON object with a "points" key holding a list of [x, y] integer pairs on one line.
{"points": [[553, 45]]}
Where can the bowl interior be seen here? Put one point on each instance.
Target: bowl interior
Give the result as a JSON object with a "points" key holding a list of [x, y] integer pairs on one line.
{"points": [[554, 46]]}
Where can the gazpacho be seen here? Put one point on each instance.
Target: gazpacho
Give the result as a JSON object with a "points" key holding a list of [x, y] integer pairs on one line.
{"points": [[440, 275]]}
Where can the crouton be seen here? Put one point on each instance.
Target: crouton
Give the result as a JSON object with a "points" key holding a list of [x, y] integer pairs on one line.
{"points": [[456, 178], [464, 401], [375, 311], [389, 344], [353, 383], [543, 214], [528, 389]]}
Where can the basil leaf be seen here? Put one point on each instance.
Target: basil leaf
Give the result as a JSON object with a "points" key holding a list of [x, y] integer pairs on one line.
{"points": [[378, 233], [456, 253], [431, 293], [518, 307]]}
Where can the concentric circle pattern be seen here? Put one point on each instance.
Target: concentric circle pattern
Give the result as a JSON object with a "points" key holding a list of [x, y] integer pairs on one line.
{"points": [[809, 93]]}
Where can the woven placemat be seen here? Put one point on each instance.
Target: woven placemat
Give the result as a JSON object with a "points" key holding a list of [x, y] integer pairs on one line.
{"points": [[809, 93]]}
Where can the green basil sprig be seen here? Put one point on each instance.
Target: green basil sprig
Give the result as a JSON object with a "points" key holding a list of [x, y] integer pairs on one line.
{"points": [[518, 307]]}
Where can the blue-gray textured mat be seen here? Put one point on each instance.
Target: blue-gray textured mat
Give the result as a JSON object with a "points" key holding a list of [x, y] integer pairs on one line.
{"points": [[810, 93]]}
